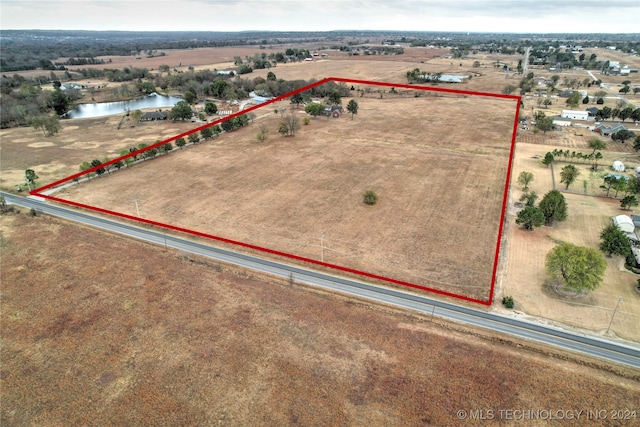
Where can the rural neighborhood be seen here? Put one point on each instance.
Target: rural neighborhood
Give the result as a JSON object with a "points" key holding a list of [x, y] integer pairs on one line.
{"points": [[344, 227]]}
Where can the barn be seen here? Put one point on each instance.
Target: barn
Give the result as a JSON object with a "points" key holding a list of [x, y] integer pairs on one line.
{"points": [[573, 114]]}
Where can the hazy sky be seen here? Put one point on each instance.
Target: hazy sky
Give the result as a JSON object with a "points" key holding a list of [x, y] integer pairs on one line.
{"points": [[539, 16]]}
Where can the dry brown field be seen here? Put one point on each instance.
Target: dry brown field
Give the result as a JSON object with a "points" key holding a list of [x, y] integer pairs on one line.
{"points": [[288, 192], [84, 140], [79, 140], [110, 331]]}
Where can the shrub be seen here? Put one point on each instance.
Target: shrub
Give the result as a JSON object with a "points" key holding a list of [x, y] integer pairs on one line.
{"points": [[33, 212], [370, 197], [306, 121], [508, 302]]}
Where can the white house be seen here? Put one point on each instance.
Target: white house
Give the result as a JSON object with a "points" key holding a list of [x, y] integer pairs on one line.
{"points": [[561, 121], [575, 115]]}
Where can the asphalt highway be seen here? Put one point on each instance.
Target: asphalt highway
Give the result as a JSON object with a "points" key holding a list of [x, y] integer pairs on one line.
{"points": [[584, 344]]}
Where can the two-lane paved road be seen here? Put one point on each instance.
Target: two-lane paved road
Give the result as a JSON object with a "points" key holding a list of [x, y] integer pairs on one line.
{"points": [[595, 347]]}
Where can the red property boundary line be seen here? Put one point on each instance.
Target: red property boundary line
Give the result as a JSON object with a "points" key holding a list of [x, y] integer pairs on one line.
{"points": [[488, 302]]}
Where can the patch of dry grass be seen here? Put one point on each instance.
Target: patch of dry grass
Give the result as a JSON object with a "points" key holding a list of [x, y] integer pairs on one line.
{"points": [[115, 332]]}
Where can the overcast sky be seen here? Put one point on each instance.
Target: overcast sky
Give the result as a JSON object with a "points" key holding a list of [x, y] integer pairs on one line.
{"points": [[539, 16]]}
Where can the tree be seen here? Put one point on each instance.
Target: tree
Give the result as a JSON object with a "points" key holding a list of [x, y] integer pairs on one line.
{"points": [[167, 147], [508, 302], [314, 108], [585, 100], [568, 175], [509, 89], [554, 207], [293, 123], [352, 107], [548, 159], [597, 144], [181, 111], [609, 181], [622, 135], [60, 101], [628, 202], [370, 197], [30, 176], [271, 76], [262, 135], [296, 99], [96, 162], [283, 129], [625, 113], [580, 269], [135, 115], [525, 179], [544, 123], [613, 241], [190, 96], [193, 138], [210, 108], [529, 198], [620, 185], [206, 133], [574, 99], [49, 125], [147, 88], [181, 142], [530, 217], [335, 98]]}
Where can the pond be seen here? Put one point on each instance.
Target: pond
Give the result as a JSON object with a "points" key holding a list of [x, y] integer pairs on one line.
{"points": [[84, 111]]}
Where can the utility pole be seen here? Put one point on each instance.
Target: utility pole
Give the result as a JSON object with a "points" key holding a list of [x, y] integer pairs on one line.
{"points": [[614, 313]]}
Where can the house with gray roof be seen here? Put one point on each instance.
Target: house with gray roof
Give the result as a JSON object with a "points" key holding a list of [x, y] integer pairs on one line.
{"points": [[154, 115]]}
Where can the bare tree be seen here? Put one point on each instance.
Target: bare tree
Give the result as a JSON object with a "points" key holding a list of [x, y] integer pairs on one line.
{"points": [[293, 123]]}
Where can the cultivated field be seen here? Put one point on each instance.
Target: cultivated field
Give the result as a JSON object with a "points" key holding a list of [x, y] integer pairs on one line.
{"points": [[110, 331], [440, 186]]}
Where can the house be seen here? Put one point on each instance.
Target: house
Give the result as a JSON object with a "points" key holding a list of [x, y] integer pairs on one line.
{"points": [[607, 131], [334, 111], [593, 111], [575, 115], [70, 86], [565, 93], [541, 81], [561, 121], [154, 115]]}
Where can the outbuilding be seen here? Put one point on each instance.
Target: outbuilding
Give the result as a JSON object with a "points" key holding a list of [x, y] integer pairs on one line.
{"points": [[575, 115], [624, 223]]}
